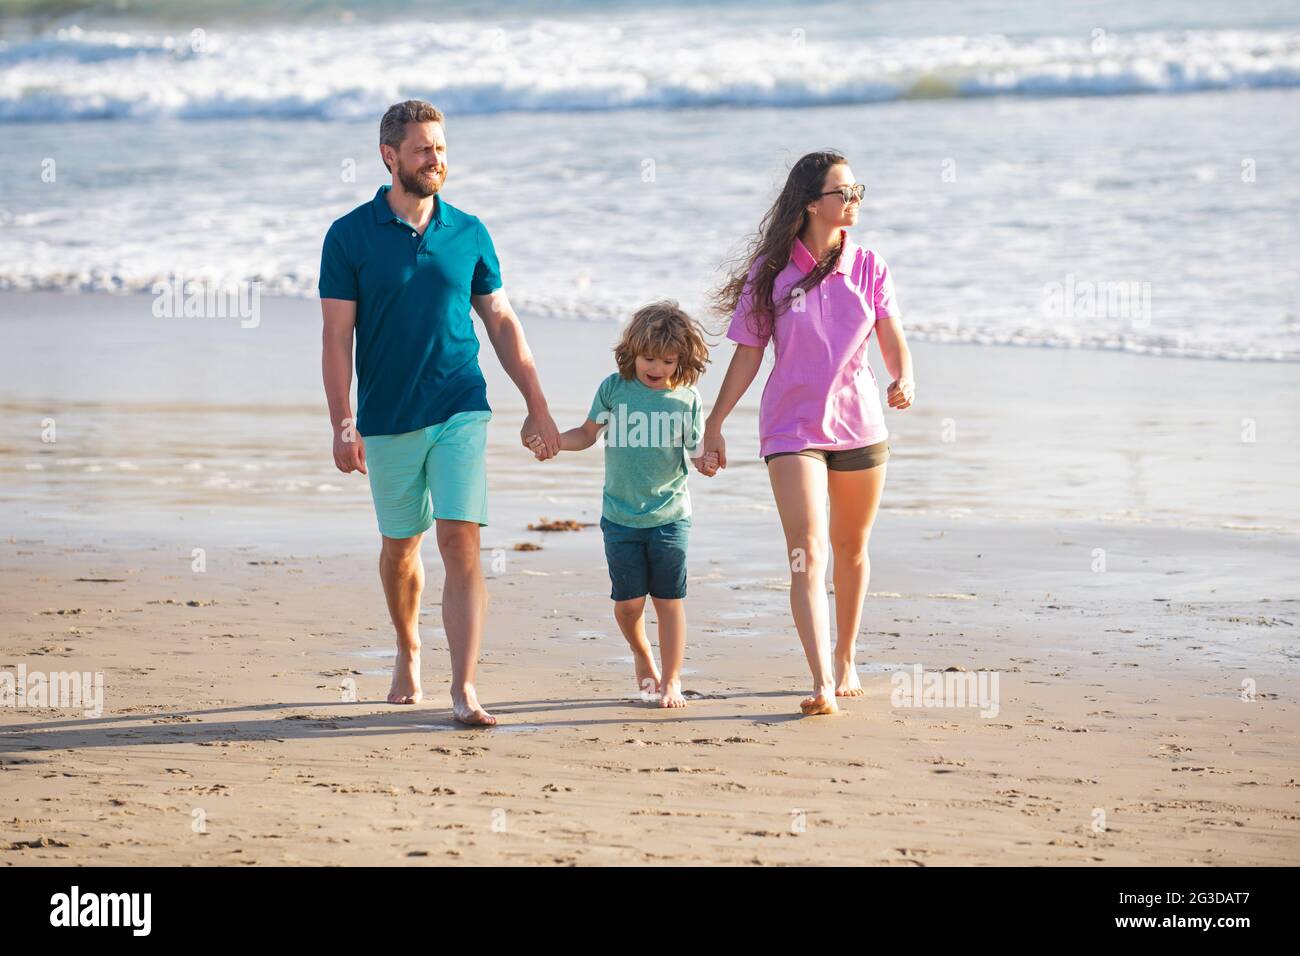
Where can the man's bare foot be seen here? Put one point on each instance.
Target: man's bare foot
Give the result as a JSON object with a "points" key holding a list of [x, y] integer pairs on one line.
{"points": [[406, 678], [820, 702], [465, 708], [670, 694], [647, 677], [846, 679]]}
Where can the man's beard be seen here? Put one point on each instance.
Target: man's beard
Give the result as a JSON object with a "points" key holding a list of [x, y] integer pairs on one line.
{"points": [[420, 186]]}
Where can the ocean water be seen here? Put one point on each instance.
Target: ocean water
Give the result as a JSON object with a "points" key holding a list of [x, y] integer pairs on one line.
{"points": [[1104, 175]]}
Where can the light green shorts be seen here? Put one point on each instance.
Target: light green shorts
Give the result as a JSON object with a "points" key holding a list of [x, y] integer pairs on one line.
{"points": [[434, 472]]}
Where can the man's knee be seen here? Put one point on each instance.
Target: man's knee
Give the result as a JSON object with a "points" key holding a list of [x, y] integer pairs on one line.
{"points": [[400, 552], [458, 542]]}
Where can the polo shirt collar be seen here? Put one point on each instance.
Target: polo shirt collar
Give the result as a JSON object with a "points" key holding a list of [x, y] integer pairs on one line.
{"points": [[804, 260], [384, 212]]}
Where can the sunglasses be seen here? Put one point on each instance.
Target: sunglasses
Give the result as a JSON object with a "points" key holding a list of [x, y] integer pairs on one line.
{"points": [[849, 194]]}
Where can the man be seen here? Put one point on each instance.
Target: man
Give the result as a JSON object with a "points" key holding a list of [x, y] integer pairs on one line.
{"points": [[401, 273]]}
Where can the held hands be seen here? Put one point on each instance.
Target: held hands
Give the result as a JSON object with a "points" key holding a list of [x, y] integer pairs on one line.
{"points": [[713, 454], [535, 444], [900, 393], [540, 436], [707, 464]]}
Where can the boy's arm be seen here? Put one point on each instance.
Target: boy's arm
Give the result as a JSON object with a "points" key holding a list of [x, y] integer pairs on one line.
{"points": [[580, 438]]}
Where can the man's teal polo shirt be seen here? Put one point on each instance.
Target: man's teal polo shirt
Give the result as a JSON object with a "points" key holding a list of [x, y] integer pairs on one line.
{"points": [[416, 352]]}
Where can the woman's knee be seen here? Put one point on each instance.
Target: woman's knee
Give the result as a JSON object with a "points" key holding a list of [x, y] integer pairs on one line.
{"points": [[807, 553], [850, 547]]}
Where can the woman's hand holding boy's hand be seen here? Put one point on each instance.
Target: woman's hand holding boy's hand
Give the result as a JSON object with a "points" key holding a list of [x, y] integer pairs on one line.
{"points": [[713, 453], [706, 464]]}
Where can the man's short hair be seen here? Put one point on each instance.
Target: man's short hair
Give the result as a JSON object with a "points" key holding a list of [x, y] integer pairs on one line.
{"points": [[392, 128]]}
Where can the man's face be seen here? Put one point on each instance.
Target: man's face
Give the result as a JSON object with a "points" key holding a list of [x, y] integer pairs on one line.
{"points": [[422, 159]]}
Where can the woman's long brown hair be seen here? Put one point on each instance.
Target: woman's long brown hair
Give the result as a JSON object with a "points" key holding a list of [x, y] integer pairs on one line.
{"points": [[770, 247]]}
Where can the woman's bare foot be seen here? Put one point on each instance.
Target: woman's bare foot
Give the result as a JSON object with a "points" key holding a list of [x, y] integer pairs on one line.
{"points": [[405, 688], [820, 702], [465, 708], [846, 679], [670, 694], [647, 677]]}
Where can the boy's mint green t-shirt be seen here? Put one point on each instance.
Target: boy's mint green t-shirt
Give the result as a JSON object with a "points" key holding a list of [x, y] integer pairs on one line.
{"points": [[649, 435]]}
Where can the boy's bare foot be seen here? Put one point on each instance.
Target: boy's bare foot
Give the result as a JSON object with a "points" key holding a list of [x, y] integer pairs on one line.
{"points": [[670, 694], [405, 688], [647, 676], [820, 702], [465, 708], [846, 680]]}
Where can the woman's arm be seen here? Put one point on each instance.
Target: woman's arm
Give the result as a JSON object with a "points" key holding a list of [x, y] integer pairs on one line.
{"points": [[898, 361], [745, 362]]}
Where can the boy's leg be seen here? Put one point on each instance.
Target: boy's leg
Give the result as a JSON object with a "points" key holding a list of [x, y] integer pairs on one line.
{"points": [[630, 616], [672, 649], [667, 553], [625, 556]]}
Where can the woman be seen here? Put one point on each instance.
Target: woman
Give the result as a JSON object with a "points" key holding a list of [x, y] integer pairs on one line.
{"points": [[812, 292]]}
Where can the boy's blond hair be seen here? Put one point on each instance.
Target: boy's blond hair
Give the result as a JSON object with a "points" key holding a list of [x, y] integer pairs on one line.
{"points": [[660, 329]]}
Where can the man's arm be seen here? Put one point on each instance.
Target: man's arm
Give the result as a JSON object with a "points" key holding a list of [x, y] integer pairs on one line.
{"points": [[506, 334], [340, 317]]}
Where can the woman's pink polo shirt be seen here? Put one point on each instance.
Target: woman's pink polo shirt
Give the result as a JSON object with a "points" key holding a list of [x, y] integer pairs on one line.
{"points": [[822, 392]]}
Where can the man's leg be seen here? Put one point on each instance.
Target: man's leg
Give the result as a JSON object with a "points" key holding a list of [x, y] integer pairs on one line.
{"points": [[456, 468], [464, 610], [401, 495], [402, 573]]}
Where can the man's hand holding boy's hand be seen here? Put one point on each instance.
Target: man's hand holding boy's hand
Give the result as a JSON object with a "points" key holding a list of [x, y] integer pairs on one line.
{"points": [[537, 447]]}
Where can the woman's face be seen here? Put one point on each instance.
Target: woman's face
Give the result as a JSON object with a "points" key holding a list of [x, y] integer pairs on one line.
{"points": [[832, 210]]}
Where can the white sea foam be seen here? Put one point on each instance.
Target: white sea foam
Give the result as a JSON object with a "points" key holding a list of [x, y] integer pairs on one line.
{"points": [[354, 71]]}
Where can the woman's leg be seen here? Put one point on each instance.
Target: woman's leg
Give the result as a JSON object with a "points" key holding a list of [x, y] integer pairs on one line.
{"points": [[799, 486], [855, 498]]}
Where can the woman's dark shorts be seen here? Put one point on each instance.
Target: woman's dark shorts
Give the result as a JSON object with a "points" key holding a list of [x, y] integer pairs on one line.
{"points": [[850, 459]]}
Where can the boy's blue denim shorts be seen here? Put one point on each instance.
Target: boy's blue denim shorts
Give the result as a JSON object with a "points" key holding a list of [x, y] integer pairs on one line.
{"points": [[646, 560]]}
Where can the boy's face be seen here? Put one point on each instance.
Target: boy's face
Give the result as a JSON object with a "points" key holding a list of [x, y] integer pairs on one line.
{"points": [[655, 372]]}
